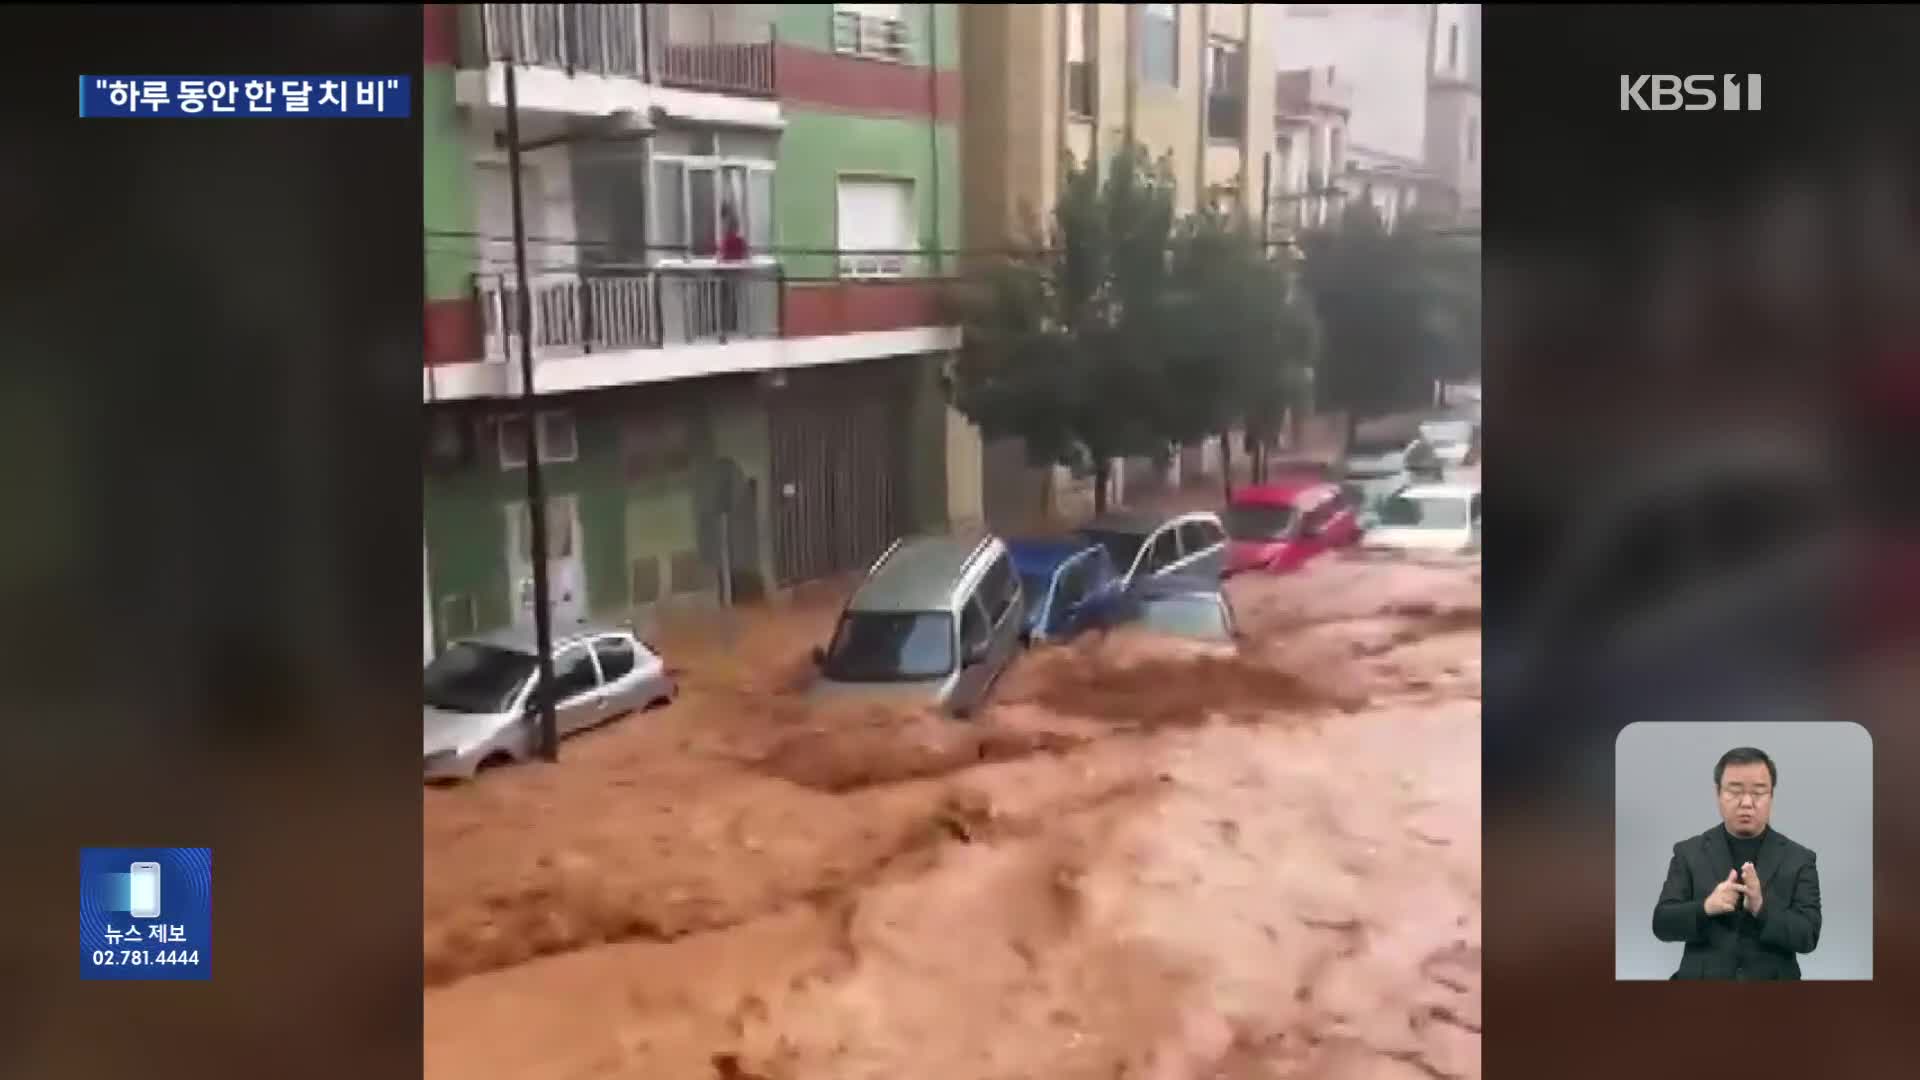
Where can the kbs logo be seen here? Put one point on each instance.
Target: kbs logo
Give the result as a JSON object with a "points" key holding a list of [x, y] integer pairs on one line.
{"points": [[1693, 93]]}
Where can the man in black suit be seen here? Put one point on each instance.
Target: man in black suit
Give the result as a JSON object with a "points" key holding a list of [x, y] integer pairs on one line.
{"points": [[1743, 898]]}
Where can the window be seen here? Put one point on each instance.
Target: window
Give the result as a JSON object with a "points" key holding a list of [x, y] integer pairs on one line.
{"points": [[695, 196], [973, 625], [1256, 522], [558, 440], [1165, 551], [1197, 536], [573, 674], [875, 226], [617, 657], [871, 30], [1080, 51], [1453, 48], [891, 646], [1160, 44], [998, 588], [1073, 584]]}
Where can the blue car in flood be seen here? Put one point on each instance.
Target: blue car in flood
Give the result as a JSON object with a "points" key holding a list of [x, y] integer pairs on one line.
{"points": [[1070, 586]]}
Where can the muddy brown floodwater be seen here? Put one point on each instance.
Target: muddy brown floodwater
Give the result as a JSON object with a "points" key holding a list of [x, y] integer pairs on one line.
{"points": [[1137, 863]]}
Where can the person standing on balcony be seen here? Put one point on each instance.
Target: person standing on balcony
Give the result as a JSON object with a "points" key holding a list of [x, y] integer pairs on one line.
{"points": [[733, 249]]}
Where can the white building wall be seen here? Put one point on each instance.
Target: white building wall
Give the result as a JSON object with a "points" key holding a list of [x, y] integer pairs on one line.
{"points": [[1380, 50]]}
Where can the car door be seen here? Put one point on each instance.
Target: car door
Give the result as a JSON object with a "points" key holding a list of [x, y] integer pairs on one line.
{"points": [[1343, 526], [1069, 596], [976, 631], [623, 674], [1203, 547], [1000, 595], [1159, 553], [577, 698]]}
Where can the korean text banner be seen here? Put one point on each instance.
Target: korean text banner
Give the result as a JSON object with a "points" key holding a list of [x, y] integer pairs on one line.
{"points": [[205, 96], [146, 913]]}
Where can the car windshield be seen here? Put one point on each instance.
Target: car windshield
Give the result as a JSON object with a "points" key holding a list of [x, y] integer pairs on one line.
{"points": [[473, 678], [1035, 586], [1200, 617], [891, 646], [1424, 512], [1121, 546], [1447, 432], [1252, 521]]}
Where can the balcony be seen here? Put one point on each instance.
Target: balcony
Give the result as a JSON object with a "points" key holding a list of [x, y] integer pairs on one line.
{"points": [[612, 312], [712, 47], [870, 36], [600, 39]]}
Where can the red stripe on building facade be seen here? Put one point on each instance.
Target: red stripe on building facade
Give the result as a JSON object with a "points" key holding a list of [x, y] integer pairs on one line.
{"points": [[853, 307], [442, 37], [870, 87]]}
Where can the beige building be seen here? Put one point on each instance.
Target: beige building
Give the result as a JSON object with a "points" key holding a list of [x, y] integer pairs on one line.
{"points": [[1190, 82], [1193, 83]]}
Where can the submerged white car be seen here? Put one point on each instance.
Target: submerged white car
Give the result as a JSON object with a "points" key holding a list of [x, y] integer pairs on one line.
{"points": [[1452, 440], [479, 694], [1428, 518]]}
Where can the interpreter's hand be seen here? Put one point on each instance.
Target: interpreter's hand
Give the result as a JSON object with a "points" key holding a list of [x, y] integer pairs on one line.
{"points": [[1750, 883], [1726, 895]]}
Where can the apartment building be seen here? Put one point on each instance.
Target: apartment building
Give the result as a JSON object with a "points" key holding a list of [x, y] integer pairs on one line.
{"points": [[735, 215], [1410, 80], [1045, 82], [1311, 112]]}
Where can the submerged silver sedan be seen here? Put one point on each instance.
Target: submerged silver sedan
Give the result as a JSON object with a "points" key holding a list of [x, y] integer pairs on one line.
{"points": [[480, 705]]}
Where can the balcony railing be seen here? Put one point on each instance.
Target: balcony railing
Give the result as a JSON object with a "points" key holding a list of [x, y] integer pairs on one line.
{"points": [[603, 39], [741, 68], [599, 312], [870, 36]]}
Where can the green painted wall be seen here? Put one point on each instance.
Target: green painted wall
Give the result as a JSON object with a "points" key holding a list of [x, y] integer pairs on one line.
{"points": [[466, 525], [811, 26], [818, 147], [621, 521], [446, 188]]}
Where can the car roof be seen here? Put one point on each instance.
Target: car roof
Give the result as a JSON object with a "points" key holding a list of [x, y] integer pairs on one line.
{"points": [[1141, 522], [1043, 556], [1441, 491], [522, 638], [1280, 494], [1176, 586], [920, 573]]}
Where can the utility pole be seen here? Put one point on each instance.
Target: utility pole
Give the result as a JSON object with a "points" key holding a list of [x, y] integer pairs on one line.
{"points": [[530, 417]]}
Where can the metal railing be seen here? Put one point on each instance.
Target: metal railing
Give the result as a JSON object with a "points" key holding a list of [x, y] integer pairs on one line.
{"points": [[737, 68], [718, 305], [602, 312], [870, 36], [595, 313], [604, 39]]}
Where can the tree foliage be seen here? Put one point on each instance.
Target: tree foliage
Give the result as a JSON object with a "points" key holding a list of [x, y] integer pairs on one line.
{"points": [[1064, 344]]}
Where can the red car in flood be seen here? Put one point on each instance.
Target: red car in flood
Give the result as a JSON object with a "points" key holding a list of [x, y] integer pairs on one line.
{"points": [[1278, 527]]}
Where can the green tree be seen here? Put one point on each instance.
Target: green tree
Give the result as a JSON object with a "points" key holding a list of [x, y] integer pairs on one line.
{"points": [[1236, 342], [1374, 295], [1063, 344]]}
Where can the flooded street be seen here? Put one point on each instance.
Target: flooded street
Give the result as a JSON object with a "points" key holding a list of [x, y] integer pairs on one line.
{"points": [[1135, 863]]}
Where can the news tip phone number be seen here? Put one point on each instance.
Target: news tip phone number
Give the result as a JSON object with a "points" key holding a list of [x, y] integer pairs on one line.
{"points": [[143, 957]]}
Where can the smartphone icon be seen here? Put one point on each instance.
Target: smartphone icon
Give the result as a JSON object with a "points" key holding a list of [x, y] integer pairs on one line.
{"points": [[143, 890]]}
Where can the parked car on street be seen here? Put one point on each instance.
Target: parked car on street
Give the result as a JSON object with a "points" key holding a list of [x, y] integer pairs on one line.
{"points": [[1148, 545], [936, 622], [479, 694], [1278, 527], [1453, 441], [1428, 518], [1069, 586], [1195, 609], [1414, 457]]}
